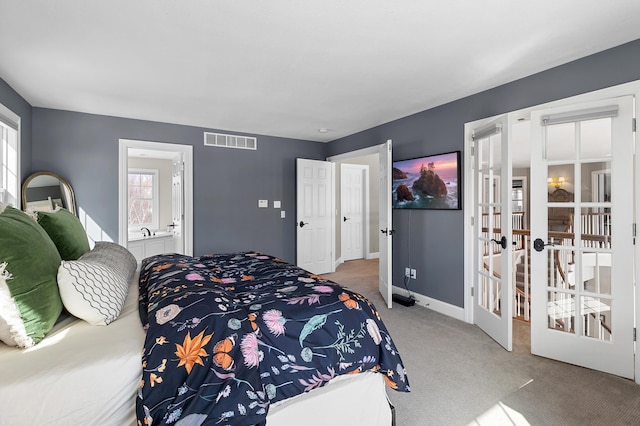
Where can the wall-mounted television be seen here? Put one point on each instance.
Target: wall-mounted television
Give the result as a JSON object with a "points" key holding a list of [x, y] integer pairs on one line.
{"points": [[431, 182]]}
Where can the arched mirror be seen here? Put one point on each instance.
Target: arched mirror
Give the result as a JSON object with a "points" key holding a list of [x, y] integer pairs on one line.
{"points": [[44, 191]]}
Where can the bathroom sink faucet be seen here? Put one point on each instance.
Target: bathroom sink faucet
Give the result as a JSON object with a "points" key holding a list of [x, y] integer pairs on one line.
{"points": [[145, 232]]}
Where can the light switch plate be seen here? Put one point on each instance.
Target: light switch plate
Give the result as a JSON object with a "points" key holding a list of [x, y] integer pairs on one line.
{"points": [[276, 204], [263, 204], [282, 214]]}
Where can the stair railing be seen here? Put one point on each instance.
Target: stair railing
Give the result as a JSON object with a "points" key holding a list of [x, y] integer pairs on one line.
{"points": [[596, 232]]}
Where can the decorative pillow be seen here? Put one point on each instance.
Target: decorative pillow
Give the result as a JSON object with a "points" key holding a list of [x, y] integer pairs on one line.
{"points": [[95, 286], [29, 299], [66, 231]]}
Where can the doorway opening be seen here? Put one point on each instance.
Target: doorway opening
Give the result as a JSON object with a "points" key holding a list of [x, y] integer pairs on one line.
{"points": [[368, 164], [384, 219], [155, 198]]}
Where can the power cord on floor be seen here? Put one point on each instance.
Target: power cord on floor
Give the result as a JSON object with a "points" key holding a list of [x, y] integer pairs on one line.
{"points": [[406, 278]]}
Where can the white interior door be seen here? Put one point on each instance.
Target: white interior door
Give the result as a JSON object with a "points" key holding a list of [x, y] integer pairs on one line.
{"points": [[493, 261], [386, 226], [177, 205], [352, 201], [315, 219], [582, 255]]}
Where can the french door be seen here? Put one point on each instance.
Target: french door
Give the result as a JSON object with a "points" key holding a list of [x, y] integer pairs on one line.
{"points": [[582, 235], [493, 262]]}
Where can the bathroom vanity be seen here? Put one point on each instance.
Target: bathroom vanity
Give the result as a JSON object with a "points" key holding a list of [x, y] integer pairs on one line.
{"points": [[145, 246]]}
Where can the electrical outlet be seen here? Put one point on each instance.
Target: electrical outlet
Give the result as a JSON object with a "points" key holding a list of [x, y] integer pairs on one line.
{"points": [[413, 274], [407, 272]]}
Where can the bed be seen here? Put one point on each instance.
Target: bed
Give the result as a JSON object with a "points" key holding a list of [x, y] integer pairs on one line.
{"points": [[263, 341], [229, 335]]}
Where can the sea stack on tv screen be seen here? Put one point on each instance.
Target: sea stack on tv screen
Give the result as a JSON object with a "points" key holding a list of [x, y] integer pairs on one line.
{"points": [[431, 182]]}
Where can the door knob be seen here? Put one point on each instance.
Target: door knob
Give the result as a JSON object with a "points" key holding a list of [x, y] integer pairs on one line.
{"points": [[538, 244], [302, 224], [502, 242]]}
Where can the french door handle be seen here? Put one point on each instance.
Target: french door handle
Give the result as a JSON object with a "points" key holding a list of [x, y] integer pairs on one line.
{"points": [[502, 242], [302, 224], [344, 219], [539, 244]]}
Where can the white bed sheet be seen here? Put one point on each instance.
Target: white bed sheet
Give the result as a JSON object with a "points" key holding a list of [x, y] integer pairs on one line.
{"points": [[78, 375]]}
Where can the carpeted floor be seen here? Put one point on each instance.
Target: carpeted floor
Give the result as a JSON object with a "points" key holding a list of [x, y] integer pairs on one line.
{"points": [[460, 376]]}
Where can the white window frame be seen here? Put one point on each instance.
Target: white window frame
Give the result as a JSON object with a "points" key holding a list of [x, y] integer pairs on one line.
{"points": [[9, 185], [153, 225]]}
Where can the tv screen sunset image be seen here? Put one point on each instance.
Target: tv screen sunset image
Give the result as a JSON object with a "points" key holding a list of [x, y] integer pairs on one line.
{"points": [[427, 182]]}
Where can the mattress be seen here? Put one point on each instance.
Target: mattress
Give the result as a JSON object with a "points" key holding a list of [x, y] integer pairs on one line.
{"points": [[78, 375]]}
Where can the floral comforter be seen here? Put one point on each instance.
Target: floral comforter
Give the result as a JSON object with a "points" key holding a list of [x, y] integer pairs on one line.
{"points": [[228, 335]]}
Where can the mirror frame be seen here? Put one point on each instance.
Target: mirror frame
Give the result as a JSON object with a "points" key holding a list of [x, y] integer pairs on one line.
{"points": [[63, 182]]}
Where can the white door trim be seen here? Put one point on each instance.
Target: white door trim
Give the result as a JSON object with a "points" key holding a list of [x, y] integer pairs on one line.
{"points": [[123, 161], [354, 154]]}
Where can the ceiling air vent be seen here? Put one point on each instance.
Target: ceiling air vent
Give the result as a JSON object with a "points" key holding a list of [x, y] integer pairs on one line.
{"points": [[230, 141]]}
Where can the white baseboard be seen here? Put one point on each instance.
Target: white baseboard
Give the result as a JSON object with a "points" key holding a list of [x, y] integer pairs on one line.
{"points": [[337, 263], [434, 304], [373, 255]]}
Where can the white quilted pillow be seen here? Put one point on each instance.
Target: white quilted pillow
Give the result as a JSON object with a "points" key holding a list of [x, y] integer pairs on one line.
{"points": [[95, 286]]}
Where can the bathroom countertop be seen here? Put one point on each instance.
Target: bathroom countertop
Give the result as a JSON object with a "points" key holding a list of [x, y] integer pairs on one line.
{"points": [[158, 234]]}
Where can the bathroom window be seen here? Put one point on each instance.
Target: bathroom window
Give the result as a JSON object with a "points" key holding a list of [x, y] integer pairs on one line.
{"points": [[143, 199]]}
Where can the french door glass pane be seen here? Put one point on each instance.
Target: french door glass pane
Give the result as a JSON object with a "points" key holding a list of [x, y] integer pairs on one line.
{"points": [[561, 311], [595, 138], [596, 178], [595, 227], [561, 268], [560, 142], [596, 272], [596, 318]]}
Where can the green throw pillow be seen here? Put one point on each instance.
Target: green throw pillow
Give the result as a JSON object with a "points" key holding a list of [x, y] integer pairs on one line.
{"points": [[30, 301], [66, 232]]}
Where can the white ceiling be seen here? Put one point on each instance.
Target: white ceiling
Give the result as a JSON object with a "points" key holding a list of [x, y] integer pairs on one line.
{"points": [[289, 68]]}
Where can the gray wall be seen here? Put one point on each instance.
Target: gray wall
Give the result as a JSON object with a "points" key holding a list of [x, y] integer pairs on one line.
{"points": [[227, 182], [432, 241]]}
